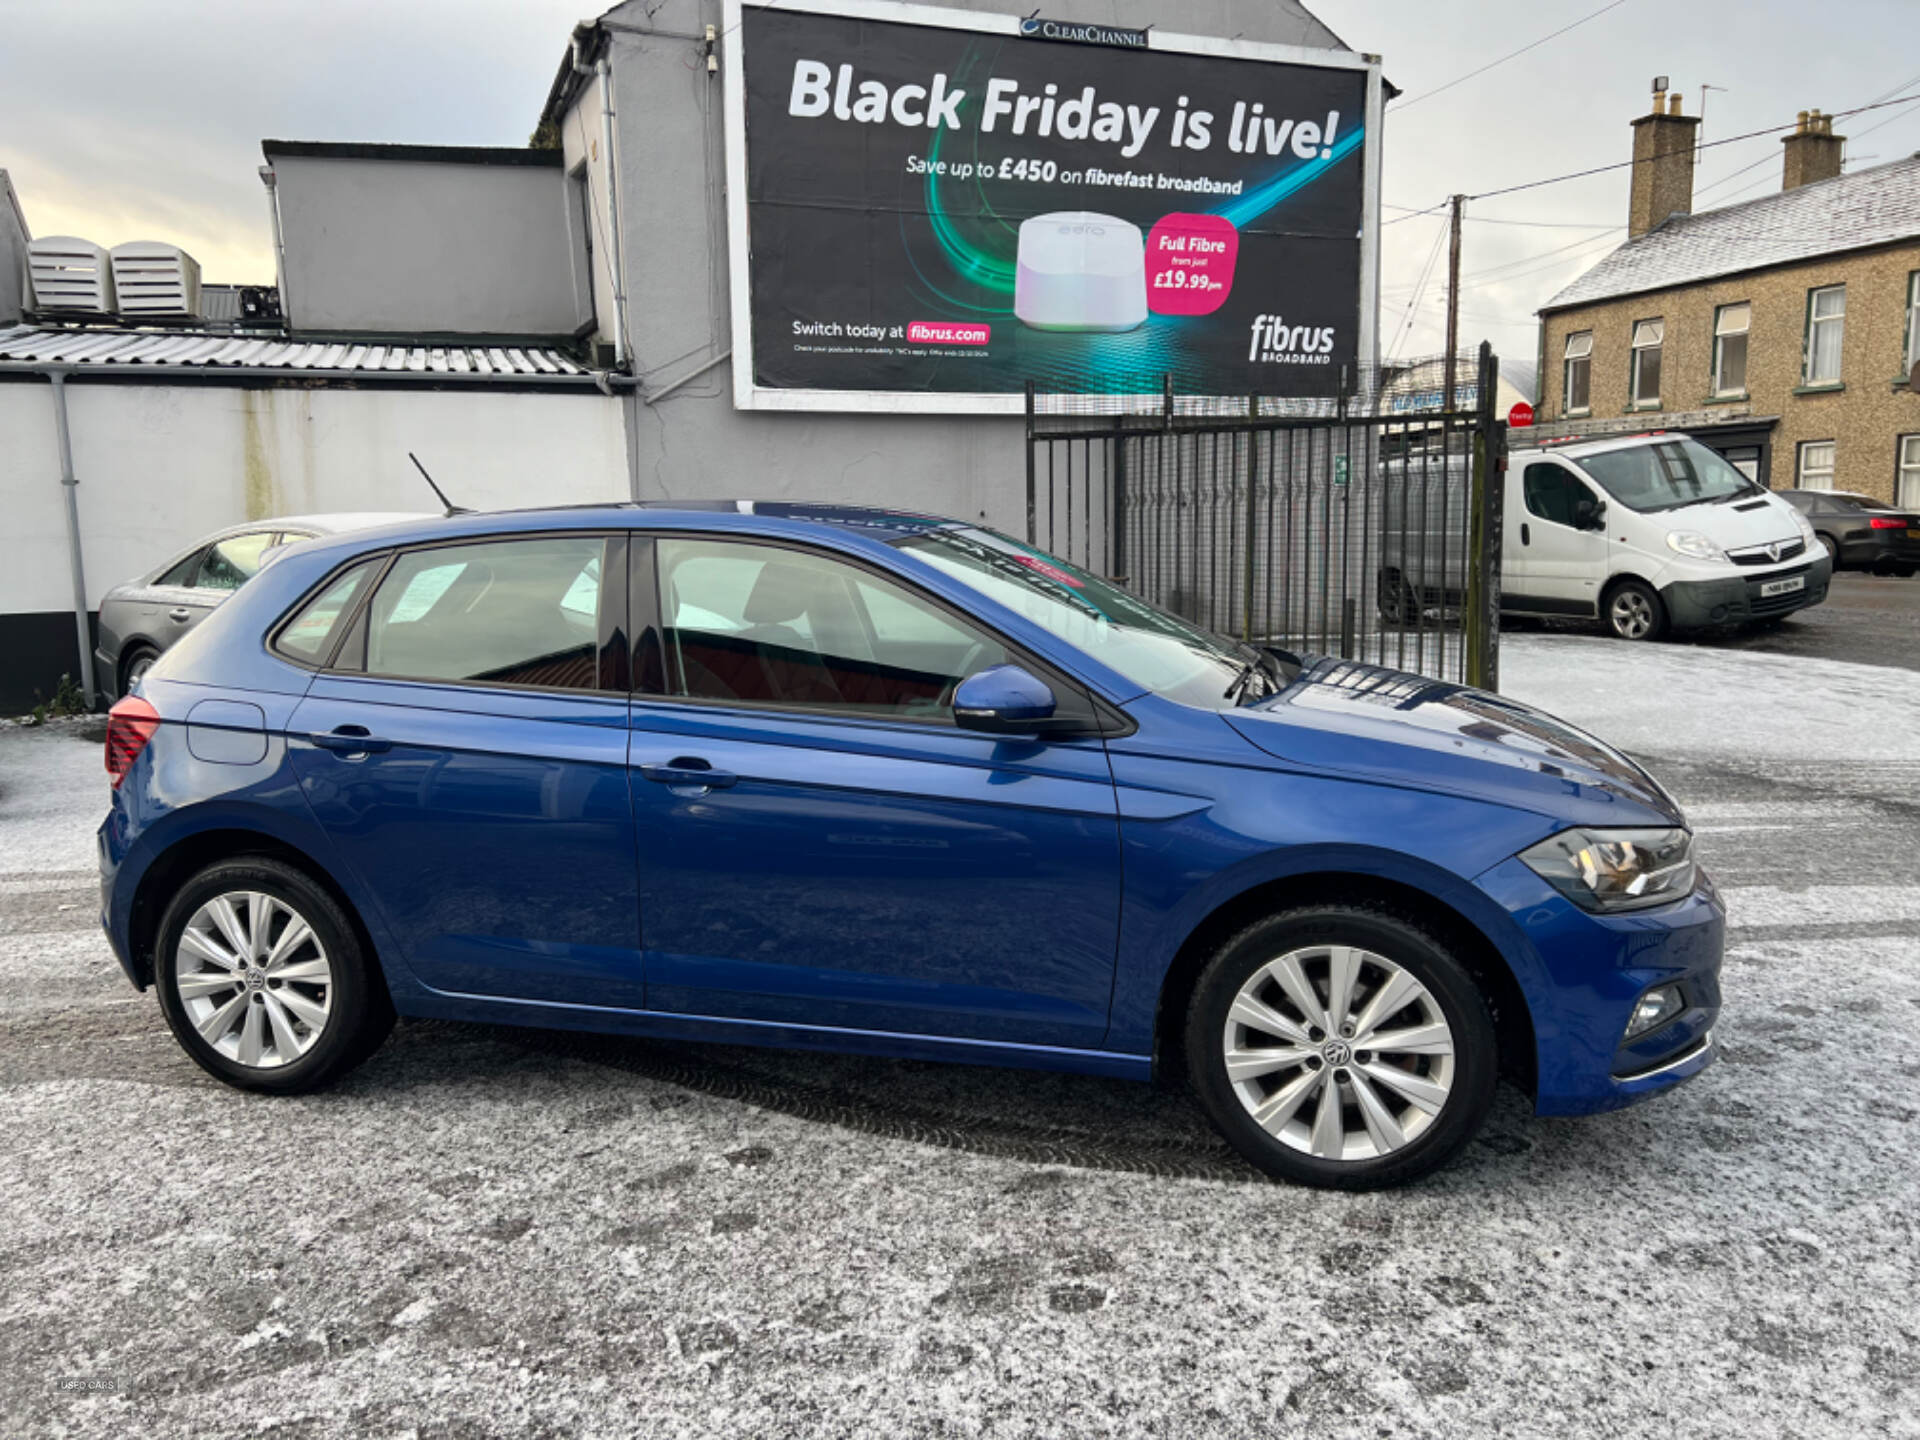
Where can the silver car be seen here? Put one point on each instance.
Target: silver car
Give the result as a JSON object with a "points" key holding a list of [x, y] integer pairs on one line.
{"points": [[140, 619]]}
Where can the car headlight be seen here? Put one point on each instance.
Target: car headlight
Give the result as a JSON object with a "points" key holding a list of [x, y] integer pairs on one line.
{"points": [[1694, 545], [1609, 870], [1805, 525]]}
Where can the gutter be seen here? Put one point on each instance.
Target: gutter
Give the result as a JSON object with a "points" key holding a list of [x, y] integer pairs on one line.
{"points": [[157, 374]]}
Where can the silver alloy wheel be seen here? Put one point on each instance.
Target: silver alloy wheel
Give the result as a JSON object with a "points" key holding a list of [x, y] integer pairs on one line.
{"points": [[137, 671], [1632, 615], [1339, 1053], [253, 979]]}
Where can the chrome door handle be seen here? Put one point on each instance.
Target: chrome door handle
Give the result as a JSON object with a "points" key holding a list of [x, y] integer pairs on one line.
{"points": [[179, 614], [351, 741], [689, 772]]}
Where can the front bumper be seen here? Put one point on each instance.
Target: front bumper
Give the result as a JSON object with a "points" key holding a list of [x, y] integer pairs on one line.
{"points": [[1698, 604], [1597, 968]]}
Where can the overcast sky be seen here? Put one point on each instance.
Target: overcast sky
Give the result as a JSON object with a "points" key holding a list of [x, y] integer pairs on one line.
{"points": [[132, 119]]}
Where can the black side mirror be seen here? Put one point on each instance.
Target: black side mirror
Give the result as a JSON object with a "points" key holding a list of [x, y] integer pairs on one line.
{"points": [[1589, 513]]}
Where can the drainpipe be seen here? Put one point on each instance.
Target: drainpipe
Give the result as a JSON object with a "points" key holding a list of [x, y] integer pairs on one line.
{"points": [[279, 248], [71, 485], [615, 260]]}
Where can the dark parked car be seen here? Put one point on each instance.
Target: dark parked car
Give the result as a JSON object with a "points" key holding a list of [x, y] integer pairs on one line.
{"points": [[857, 780], [140, 619], [1860, 532]]}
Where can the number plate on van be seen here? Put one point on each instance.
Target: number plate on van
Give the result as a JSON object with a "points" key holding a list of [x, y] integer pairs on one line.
{"points": [[1782, 587]]}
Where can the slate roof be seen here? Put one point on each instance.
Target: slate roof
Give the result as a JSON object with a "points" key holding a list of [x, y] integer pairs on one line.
{"points": [[1850, 212]]}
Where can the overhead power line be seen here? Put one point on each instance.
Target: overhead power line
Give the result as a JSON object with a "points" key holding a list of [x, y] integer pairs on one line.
{"points": [[1511, 55]]}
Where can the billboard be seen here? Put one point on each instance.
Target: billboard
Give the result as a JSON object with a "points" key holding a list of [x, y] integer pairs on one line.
{"points": [[928, 207]]}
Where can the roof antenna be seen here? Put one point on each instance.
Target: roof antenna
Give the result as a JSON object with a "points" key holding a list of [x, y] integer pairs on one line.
{"points": [[452, 509]]}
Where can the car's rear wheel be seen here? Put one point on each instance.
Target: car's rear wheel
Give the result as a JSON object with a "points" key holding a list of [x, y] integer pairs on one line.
{"points": [[264, 981], [134, 666], [1341, 1046], [1832, 547], [1634, 611]]}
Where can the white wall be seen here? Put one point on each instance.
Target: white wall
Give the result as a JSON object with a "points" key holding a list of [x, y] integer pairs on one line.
{"points": [[160, 465]]}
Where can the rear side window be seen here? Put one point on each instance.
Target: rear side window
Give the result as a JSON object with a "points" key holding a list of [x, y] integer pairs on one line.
{"points": [[310, 635], [511, 612], [230, 563], [183, 571]]}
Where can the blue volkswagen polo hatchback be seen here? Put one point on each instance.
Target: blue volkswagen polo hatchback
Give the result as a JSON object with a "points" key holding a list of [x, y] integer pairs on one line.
{"points": [[856, 780]]}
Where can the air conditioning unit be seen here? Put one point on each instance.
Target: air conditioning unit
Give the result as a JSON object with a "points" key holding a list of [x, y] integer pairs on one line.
{"points": [[70, 275], [156, 281]]}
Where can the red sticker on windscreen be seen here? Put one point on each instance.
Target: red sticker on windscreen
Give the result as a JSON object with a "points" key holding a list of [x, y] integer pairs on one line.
{"points": [[1052, 572]]}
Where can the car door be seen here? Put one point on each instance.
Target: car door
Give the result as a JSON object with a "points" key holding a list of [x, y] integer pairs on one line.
{"points": [[465, 750], [821, 845], [189, 590], [1561, 564]]}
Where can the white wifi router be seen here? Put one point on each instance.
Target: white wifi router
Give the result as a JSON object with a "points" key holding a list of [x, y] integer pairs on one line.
{"points": [[1080, 271]]}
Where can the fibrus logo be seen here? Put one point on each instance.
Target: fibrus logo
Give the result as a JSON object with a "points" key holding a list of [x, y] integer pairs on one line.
{"points": [[1277, 343]]}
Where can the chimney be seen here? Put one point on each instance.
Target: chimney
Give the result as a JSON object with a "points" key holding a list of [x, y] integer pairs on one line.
{"points": [[1662, 162], [1812, 151]]}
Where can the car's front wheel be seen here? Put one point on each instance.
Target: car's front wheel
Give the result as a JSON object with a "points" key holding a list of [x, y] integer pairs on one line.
{"points": [[1341, 1046], [263, 980], [1634, 611]]}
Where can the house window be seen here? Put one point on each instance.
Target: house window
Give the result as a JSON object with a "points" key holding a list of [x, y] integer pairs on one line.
{"points": [[1906, 493], [1647, 338], [1826, 327], [1816, 465], [1730, 324], [1578, 391], [1913, 321]]}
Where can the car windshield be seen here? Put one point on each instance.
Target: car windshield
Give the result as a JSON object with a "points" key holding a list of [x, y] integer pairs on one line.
{"points": [[1666, 475], [1156, 650]]}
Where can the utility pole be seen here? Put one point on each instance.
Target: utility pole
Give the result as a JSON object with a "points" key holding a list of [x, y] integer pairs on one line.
{"points": [[1453, 299]]}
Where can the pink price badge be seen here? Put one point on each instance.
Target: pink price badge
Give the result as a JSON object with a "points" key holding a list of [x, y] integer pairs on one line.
{"points": [[1190, 261]]}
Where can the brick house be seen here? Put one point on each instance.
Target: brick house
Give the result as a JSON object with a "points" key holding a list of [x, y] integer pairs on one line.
{"points": [[1781, 332]]}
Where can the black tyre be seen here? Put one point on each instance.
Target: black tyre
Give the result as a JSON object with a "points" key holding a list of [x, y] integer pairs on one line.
{"points": [[134, 664], [1633, 611], [263, 979], [1341, 1046], [1832, 547]]}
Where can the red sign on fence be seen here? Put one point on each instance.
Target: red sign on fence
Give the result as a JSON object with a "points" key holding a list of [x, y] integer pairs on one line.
{"points": [[1520, 416]]}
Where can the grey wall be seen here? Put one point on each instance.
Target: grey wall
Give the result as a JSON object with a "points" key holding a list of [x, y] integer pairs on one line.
{"points": [[671, 191], [395, 246], [13, 252]]}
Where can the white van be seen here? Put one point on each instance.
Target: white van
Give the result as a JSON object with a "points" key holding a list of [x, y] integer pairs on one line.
{"points": [[1651, 533]]}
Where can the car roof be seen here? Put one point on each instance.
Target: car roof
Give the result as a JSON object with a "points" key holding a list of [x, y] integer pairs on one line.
{"points": [[1599, 445], [870, 522]]}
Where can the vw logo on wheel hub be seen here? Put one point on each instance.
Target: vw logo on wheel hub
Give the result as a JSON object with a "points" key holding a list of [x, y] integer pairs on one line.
{"points": [[1336, 1052], [256, 979]]}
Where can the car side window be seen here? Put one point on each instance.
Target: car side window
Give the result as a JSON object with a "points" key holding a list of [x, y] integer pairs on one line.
{"points": [[228, 564], [509, 612], [1552, 493], [310, 635], [181, 572], [769, 625]]}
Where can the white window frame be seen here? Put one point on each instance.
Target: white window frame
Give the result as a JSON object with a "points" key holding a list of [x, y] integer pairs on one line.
{"points": [[1811, 477], [1723, 331], [1913, 323], [1577, 351], [1656, 327], [1906, 476], [1815, 322]]}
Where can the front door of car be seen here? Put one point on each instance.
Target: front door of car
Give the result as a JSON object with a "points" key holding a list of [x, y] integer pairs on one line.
{"points": [[821, 845], [1562, 561], [466, 752]]}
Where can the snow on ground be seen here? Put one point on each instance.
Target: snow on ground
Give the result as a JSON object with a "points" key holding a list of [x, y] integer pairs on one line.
{"points": [[509, 1233]]}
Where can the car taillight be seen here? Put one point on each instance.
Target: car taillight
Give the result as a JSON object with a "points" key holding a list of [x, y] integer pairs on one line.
{"points": [[130, 725], [1889, 522]]}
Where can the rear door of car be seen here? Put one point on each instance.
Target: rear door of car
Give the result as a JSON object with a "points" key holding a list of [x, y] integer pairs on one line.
{"points": [[820, 844], [465, 749]]}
